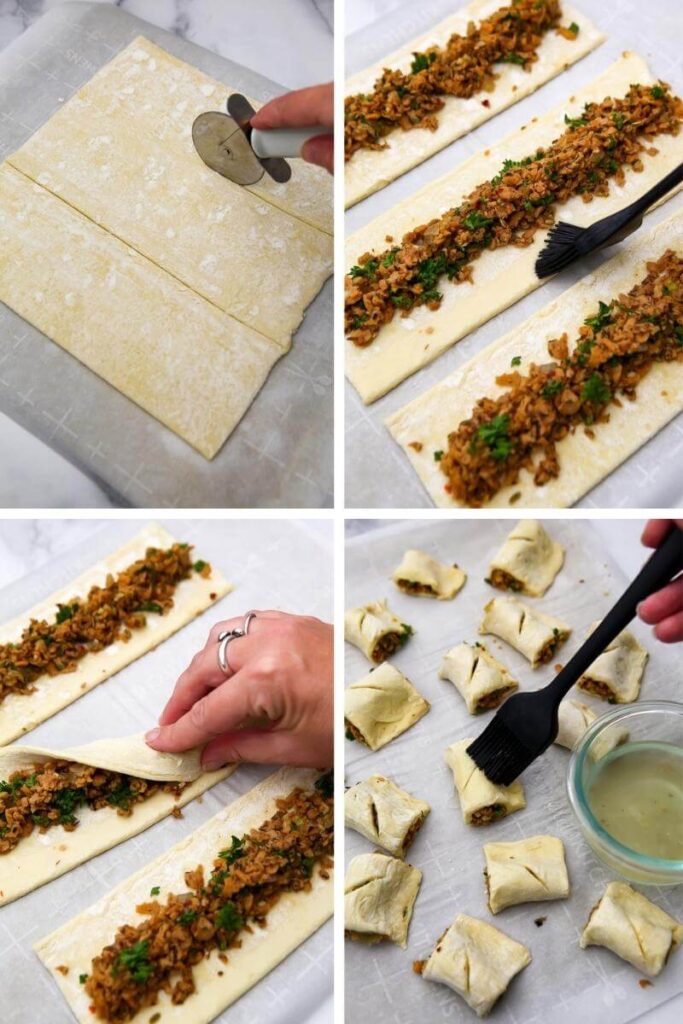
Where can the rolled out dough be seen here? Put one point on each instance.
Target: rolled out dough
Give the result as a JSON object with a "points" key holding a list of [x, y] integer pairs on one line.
{"points": [[290, 922], [177, 286], [502, 276], [584, 462], [369, 170], [21, 712], [39, 858]]}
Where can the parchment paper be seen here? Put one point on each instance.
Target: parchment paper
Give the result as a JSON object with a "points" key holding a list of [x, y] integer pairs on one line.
{"points": [[563, 984], [279, 455], [273, 565], [377, 475]]}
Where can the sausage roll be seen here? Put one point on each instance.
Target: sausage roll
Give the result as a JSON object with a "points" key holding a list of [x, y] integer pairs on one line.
{"points": [[379, 895], [482, 682], [616, 674], [535, 635], [528, 561], [375, 631], [384, 813], [381, 706], [574, 717], [422, 576], [632, 927], [480, 800], [525, 871], [476, 960]]}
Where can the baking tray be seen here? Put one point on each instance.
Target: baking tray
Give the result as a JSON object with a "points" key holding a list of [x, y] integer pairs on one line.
{"points": [[280, 453], [273, 564], [563, 984], [644, 480]]}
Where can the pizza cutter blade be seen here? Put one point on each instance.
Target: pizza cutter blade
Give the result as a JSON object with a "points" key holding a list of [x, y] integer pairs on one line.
{"points": [[229, 145]]}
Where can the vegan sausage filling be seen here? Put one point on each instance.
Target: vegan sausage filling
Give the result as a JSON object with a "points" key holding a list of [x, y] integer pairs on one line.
{"points": [[520, 429], [511, 208], [106, 615], [49, 794], [461, 68], [246, 881]]}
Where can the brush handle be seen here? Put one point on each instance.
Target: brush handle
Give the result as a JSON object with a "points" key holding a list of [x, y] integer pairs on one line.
{"points": [[638, 207], [661, 567]]}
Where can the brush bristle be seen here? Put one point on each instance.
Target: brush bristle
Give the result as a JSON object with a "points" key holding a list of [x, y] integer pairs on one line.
{"points": [[498, 753], [559, 250]]}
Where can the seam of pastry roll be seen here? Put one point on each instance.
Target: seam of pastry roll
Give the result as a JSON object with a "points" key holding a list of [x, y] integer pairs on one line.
{"points": [[282, 345]]}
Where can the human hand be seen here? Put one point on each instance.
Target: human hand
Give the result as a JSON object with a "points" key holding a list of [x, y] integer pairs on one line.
{"points": [[664, 609], [298, 110], [276, 706]]}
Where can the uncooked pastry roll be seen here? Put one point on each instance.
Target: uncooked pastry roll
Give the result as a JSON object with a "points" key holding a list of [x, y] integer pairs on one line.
{"points": [[384, 813], [574, 717], [534, 634], [480, 800], [528, 561], [379, 896], [382, 705], [422, 576], [375, 630], [525, 871], [632, 927], [477, 961], [481, 680], [616, 674]]}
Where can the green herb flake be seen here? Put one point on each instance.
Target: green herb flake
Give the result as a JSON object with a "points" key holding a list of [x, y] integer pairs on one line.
{"points": [[349, 735], [495, 436], [151, 606], [552, 388], [602, 318], [574, 122], [619, 119], [65, 611], [516, 361], [82, 978], [233, 852], [155, 890], [421, 61], [199, 565], [389, 258], [368, 269], [228, 919], [187, 917], [595, 390], [513, 58], [438, 456], [657, 92], [476, 220], [325, 786], [135, 960], [574, 29]]}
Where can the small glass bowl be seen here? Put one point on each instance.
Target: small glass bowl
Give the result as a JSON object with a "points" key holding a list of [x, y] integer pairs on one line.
{"points": [[658, 720]]}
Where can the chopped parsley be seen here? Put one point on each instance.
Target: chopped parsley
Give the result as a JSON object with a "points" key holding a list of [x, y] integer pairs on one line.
{"points": [[368, 269], [65, 611], [513, 58], [82, 978], [516, 361], [136, 960], [421, 61], [574, 122], [595, 390], [552, 388], [234, 852], [476, 220], [657, 92], [155, 890], [228, 919], [574, 29], [438, 456], [495, 435], [401, 300], [151, 606], [389, 257], [187, 916], [199, 565], [66, 801], [619, 119], [358, 322], [349, 735], [407, 632], [601, 319], [121, 796], [678, 331]]}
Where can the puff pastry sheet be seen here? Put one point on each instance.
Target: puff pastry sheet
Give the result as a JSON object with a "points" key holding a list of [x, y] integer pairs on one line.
{"points": [[178, 287], [534, 634], [39, 858], [367, 626], [481, 680], [525, 871], [584, 461], [481, 801], [477, 961], [379, 896], [501, 276], [295, 916], [370, 170], [427, 577], [530, 558], [617, 673], [21, 712], [383, 705], [633, 927], [384, 813]]}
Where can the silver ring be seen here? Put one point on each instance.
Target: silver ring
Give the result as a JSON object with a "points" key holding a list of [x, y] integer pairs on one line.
{"points": [[224, 639], [246, 622]]}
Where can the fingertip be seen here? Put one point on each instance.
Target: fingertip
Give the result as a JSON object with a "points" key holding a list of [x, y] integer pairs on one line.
{"points": [[151, 737], [320, 151]]}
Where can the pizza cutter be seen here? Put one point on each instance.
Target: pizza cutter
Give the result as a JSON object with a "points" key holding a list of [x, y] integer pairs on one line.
{"points": [[229, 145]]}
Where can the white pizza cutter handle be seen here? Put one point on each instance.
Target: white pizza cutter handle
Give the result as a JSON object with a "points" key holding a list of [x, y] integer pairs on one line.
{"points": [[282, 142]]}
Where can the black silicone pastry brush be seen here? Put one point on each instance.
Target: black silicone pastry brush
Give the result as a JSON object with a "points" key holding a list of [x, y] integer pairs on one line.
{"points": [[567, 242], [526, 724]]}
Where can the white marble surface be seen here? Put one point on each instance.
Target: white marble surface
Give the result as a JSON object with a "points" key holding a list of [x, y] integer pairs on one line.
{"points": [[289, 41]]}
